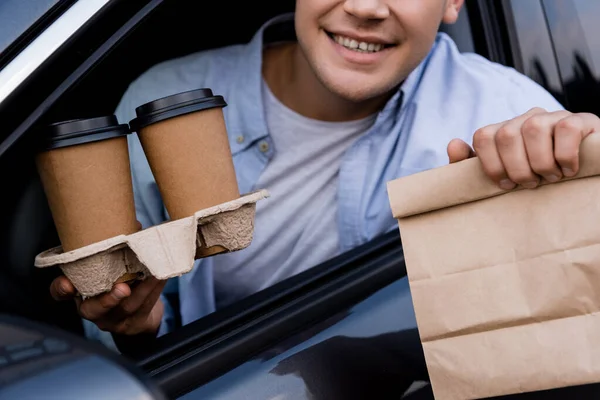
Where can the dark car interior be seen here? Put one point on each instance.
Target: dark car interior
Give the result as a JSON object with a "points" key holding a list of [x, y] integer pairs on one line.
{"points": [[173, 29]]}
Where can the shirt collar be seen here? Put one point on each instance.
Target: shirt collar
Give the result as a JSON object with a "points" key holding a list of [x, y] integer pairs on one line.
{"points": [[409, 87], [250, 122]]}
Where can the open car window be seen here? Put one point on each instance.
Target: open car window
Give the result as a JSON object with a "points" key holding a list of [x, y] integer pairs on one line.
{"points": [[87, 77]]}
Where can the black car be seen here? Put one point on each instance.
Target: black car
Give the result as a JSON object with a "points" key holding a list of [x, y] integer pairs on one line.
{"points": [[336, 331]]}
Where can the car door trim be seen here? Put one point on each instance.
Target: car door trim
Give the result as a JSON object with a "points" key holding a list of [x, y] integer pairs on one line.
{"points": [[50, 40], [207, 348], [74, 77]]}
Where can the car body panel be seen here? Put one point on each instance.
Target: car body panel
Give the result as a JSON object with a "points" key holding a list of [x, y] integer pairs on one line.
{"points": [[39, 362], [345, 355]]}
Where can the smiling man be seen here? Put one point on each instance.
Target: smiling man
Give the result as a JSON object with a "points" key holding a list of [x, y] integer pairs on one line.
{"points": [[365, 91]]}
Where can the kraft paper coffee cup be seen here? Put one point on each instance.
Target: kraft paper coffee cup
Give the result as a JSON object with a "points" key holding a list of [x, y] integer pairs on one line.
{"points": [[85, 173], [185, 141]]}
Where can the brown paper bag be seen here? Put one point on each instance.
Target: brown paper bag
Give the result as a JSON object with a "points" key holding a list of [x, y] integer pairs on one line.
{"points": [[505, 285]]}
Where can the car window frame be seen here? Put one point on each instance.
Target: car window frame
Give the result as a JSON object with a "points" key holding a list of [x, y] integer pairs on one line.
{"points": [[81, 57], [33, 31], [48, 40]]}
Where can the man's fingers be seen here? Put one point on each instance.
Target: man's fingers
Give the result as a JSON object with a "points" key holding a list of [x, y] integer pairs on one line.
{"points": [[537, 132], [139, 296], [568, 134], [511, 148], [152, 298], [134, 314], [61, 289], [459, 151], [97, 307], [496, 146], [485, 146]]}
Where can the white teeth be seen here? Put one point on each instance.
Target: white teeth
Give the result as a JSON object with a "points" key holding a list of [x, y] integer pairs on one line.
{"points": [[362, 47]]}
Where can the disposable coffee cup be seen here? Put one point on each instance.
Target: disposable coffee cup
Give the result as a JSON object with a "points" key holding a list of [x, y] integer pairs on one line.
{"points": [[85, 172], [185, 142]]}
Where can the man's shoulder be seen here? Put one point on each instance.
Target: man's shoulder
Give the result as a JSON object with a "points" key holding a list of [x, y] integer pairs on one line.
{"points": [[195, 68], [470, 72], [201, 60], [200, 69]]}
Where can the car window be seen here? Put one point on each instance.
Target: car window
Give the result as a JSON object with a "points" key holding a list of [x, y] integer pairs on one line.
{"points": [[16, 18], [587, 12], [532, 46], [574, 30], [98, 94], [95, 94]]}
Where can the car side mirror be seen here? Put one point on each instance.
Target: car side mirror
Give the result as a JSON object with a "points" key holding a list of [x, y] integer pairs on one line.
{"points": [[39, 361]]}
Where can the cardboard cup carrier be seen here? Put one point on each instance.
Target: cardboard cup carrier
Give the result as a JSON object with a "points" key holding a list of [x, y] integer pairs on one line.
{"points": [[186, 144]]}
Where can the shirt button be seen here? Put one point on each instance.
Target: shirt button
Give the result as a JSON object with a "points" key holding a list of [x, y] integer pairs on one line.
{"points": [[263, 146], [240, 139]]}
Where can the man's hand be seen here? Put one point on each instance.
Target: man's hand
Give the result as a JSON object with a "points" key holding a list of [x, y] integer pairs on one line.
{"points": [[124, 310], [524, 149]]}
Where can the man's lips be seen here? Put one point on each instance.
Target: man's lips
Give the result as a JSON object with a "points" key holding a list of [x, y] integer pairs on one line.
{"points": [[367, 54], [360, 43]]}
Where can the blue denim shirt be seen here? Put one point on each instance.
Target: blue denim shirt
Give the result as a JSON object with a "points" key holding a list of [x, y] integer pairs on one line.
{"points": [[449, 95]]}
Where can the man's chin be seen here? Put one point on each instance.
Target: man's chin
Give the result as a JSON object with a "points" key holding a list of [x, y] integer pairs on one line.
{"points": [[358, 93]]}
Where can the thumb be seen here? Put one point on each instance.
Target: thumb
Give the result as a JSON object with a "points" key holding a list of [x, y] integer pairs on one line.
{"points": [[458, 150], [62, 289]]}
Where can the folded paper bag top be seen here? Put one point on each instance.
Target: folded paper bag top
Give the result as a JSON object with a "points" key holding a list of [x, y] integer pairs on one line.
{"points": [[505, 284], [466, 181]]}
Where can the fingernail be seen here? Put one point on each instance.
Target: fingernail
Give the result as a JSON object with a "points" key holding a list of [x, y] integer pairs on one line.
{"points": [[119, 294], [530, 185], [63, 289], [568, 172], [507, 184], [552, 178]]}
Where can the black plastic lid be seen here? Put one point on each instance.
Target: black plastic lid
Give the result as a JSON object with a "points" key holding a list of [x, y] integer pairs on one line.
{"points": [[174, 106], [80, 131]]}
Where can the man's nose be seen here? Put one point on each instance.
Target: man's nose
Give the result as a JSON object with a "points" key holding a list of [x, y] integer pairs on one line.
{"points": [[367, 9]]}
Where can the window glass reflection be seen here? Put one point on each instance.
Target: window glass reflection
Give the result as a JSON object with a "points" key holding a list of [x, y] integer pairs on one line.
{"points": [[588, 12]]}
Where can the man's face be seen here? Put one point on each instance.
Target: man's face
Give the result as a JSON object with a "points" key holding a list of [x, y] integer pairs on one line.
{"points": [[362, 49]]}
